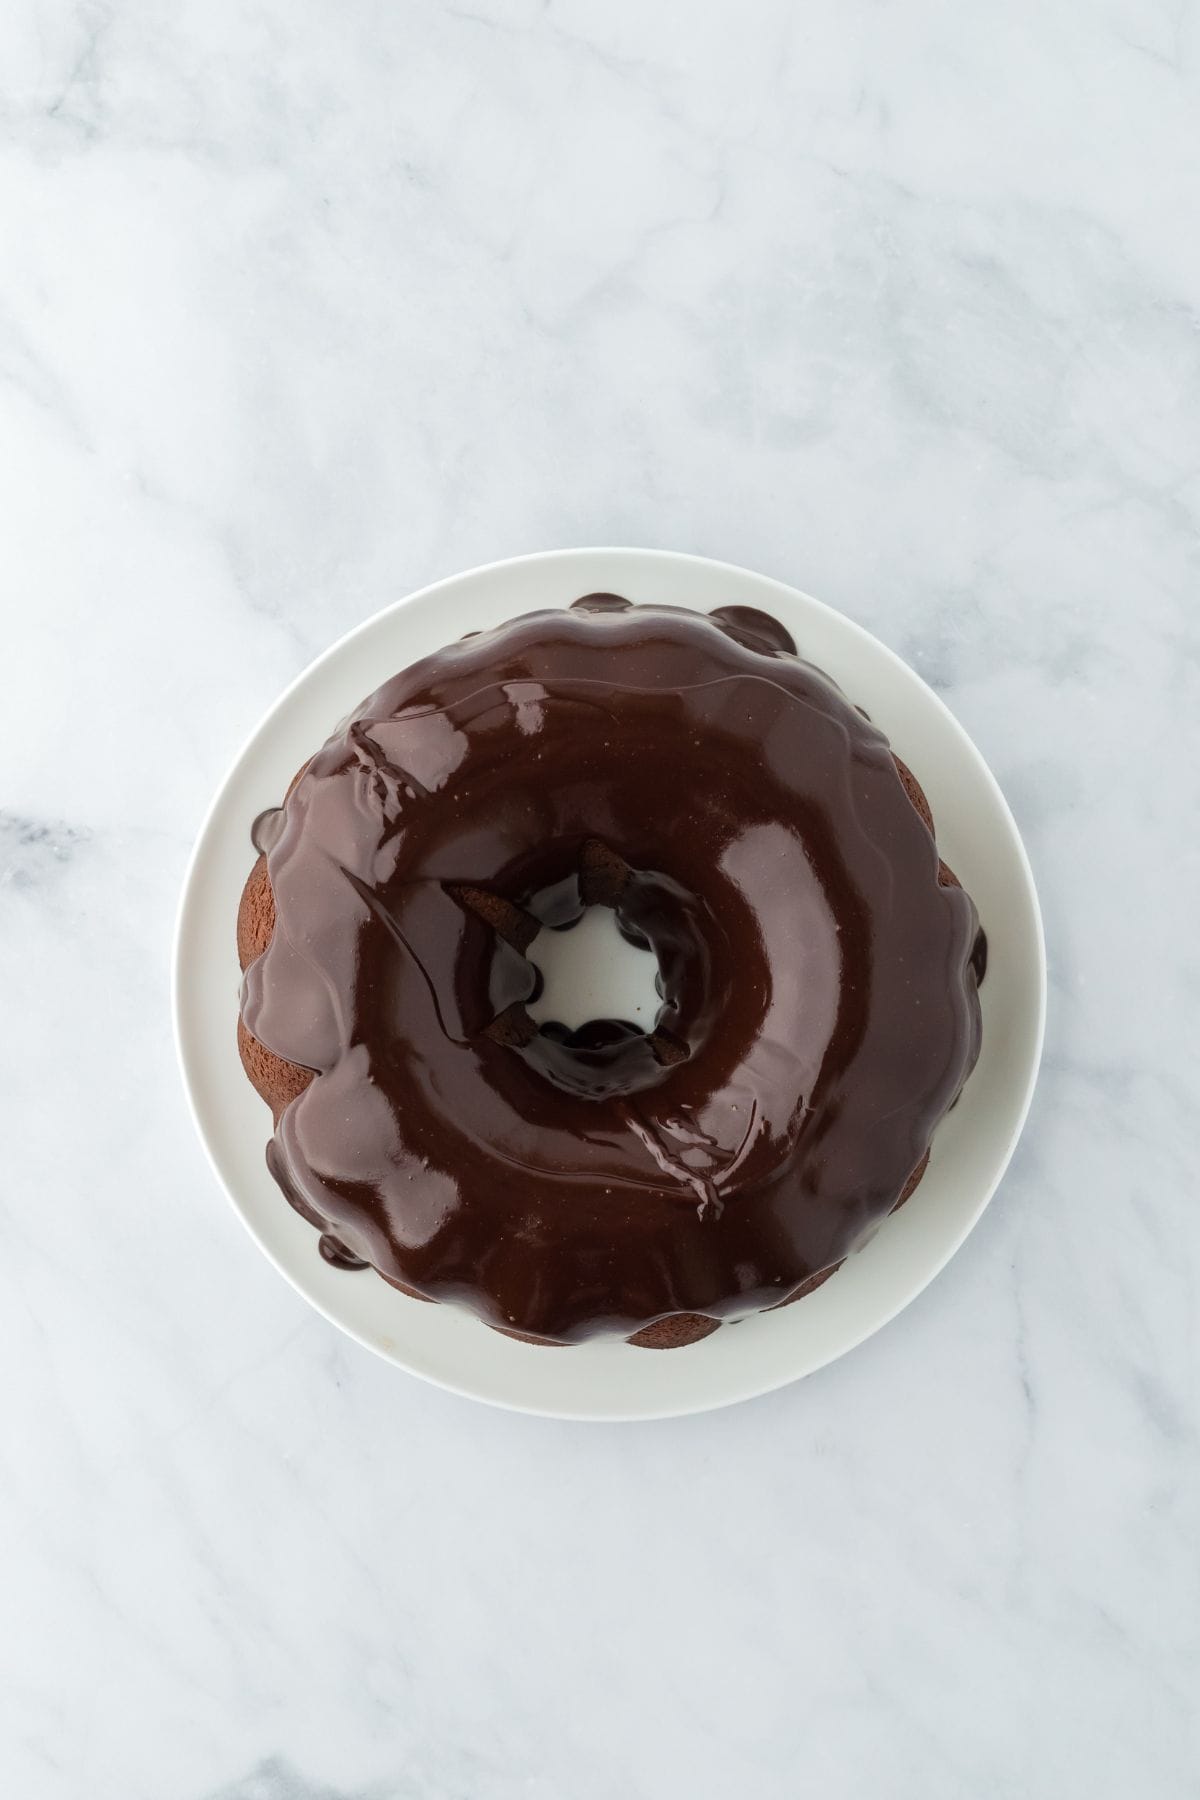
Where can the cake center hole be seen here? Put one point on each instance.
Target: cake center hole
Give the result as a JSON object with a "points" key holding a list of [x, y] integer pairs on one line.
{"points": [[590, 972]]}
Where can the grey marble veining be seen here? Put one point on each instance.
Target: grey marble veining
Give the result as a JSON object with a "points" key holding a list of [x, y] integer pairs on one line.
{"points": [[302, 306]]}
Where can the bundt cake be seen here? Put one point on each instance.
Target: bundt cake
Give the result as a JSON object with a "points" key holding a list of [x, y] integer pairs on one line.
{"points": [[818, 967]]}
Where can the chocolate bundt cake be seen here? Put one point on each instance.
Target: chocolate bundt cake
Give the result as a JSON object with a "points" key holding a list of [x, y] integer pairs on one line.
{"points": [[818, 967]]}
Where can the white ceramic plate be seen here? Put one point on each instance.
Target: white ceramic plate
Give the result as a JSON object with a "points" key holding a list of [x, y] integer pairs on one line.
{"points": [[613, 1380]]}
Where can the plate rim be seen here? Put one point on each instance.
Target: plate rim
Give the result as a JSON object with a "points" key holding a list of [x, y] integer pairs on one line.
{"points": [[188, 902]]}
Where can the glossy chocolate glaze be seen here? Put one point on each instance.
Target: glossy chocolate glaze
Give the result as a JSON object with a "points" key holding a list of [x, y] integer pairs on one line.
{"points": [[819, 1016]]}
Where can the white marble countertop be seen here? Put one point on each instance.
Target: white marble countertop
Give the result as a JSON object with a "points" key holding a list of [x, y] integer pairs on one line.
{"points": [[304, 305]]}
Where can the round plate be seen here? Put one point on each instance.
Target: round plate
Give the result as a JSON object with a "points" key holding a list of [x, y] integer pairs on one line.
{"points": [[613, 1380]]}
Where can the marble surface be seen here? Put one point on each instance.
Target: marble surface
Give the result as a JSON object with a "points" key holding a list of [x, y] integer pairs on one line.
{"points": [[304, 305]]}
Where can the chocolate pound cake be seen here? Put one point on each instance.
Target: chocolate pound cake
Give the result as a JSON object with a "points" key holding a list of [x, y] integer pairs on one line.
{"points": [[818, 967]]}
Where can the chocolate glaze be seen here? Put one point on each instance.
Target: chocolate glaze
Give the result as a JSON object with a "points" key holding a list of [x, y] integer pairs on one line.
{"points": [[819, 1009], [264, 833], [336, 1253]]}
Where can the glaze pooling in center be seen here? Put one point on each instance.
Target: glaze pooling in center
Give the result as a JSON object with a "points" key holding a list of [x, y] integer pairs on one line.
{"points": [[747, 823]]}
